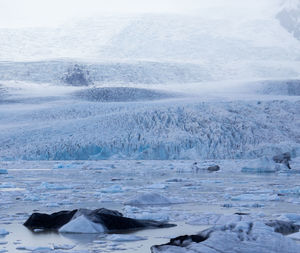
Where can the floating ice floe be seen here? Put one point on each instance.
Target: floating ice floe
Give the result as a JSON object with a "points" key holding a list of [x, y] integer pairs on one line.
{"points": [[64, 246], [161, 216], [292, 191], [65, 166], [263, 165], [32, 197], [7, 185], [112, 189], [293, 217], [53, 186], [157, 186], [217, 219], [149, 199], [52, 204], [35, 249], [255, 197], [3, 232], [125, 238], [295, 236], [236, 237]]}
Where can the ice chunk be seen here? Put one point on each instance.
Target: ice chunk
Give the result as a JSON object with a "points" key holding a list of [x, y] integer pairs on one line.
{"points": [[31, 197], [35, 249], [3, 171], [237, 237], [64, 246], [53, 186], [262, 165], [293, 191], [295, 236], [149, 199], [7, 185], [156, 186], [112, 189], [82, 225], [52, 204], [161, 216], [65, 166], [124, 238], [255, 197], [215, 219], [294, 217], [3, 232]]}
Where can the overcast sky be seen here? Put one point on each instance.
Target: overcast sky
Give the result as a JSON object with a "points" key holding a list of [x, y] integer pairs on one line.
{"points": [[18, 13]]}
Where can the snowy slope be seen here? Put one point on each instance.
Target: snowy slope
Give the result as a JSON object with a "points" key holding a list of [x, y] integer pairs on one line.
{"points": [[77, 39]]}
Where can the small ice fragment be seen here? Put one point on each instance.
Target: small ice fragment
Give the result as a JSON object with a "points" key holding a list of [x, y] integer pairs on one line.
{"points": [[112, 189]]}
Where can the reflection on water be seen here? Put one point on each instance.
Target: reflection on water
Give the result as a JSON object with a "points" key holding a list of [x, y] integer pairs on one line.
{"points": [[21, 236]]}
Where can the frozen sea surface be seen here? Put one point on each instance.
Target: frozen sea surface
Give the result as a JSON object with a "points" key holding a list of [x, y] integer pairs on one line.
{"points": [[203, 199]]}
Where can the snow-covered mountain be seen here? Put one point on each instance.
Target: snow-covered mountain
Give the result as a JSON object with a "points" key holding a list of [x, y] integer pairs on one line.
{"points": [[289, 17], [223, 42]]}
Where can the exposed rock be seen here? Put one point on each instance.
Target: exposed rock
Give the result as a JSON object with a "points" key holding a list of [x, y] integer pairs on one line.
{"points": [[184, 240], [89, 221], [283, 227], [49, 221], [196, 168], [77, 76], [213, 168], [283, 158]]}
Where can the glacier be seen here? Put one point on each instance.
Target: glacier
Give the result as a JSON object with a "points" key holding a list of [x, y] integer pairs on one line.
{"points": [[184, 128]]}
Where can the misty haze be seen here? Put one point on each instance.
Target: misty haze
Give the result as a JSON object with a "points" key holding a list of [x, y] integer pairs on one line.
{"points": [[150, 126]]}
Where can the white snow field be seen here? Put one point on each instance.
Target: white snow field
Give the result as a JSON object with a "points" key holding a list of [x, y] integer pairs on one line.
{"points": [[128, 112]]}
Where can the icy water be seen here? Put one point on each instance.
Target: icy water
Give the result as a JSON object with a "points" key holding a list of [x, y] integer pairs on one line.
{"points": [[53, 186]]}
